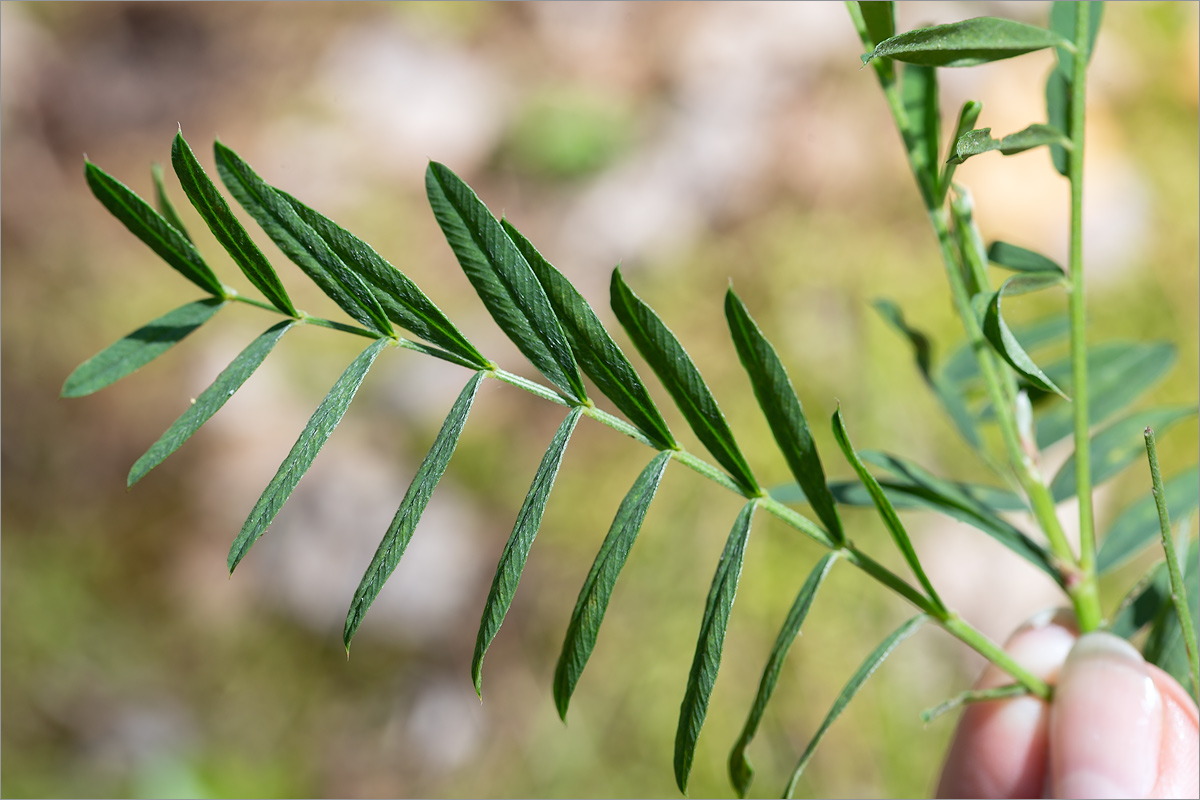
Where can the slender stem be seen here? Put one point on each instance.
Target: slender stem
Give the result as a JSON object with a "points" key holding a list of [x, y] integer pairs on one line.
{"points": [[1178, 592], [1079, 377], [961, 630]]}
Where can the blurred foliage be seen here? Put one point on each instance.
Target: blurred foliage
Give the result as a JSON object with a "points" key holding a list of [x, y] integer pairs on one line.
{"points": [[133, 667]]}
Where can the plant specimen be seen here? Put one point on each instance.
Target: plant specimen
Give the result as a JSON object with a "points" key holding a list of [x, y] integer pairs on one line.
{"points": [[1006, 405]]}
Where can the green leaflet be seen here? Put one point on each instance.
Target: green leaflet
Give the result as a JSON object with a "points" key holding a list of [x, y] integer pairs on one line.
{"points": [[1118, 373], [164, 204], [300, 458], [968, 115], [960, 368], [886, 512], [1116, 446], [740, 770], [947, 393], [402, 300], [299, 241], [148, 225], [516, 550], [502, 279], [707, 660], [225, 227], [1137, 526], [1058, 115], [404, 523], [967, 44], [779, 403], [598, 586], [975, 142], [922, 138], [975, 505], [1058, 84], [209, 401], [855, 683], [674, 367], [596, 352], [1018, 259], [880, 19], [139, 348], [1002, 340]]}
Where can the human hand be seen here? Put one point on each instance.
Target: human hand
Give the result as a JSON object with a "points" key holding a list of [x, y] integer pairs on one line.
{"points": [[1118, 727]]}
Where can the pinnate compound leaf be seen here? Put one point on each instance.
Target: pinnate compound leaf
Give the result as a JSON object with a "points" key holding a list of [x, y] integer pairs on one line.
{"points": [[597, 589], [707, 660], [741, 772], [967, 43], [1118, 373], [164, 204], [884, 506], [299, 241], [210, 400], [1018, 259], [152, 228], [502, 278], [404, 523], [139, 348], [225, 226], [975, 142], [516, 550], [777, 398], [1117, 446], [674, 367], [855, 683], [595, 350], [402, 300], [946, 391], [880, 19], [320, 426], [1137, 526], [1001, 338]]}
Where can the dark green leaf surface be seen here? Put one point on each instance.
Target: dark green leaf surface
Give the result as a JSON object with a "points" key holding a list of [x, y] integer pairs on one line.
{"points": [[1018, 259], [597, 589], [299, 241], [164, 204], [947, 393], [1116, 447], [1058, 115], [967, 43], [741, 772], [880, 18], [1001, 338], [148, 225], [139, 348], [777, 398], [516, 550], [975, 142], [1165, 645], [919, 94], [595, 350], [404, 523], [1137, 526], [1062, 22], [225, 227], [884, 506], [679, 375], [402, 300], [1118, 373], [300, 458], [210, 400], [968, 115], [707, 660], [960, 368], [502, 278], [855, 683]]}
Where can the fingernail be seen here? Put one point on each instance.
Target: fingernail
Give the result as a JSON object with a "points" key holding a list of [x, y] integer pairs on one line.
{"points": [[1105, 722]]}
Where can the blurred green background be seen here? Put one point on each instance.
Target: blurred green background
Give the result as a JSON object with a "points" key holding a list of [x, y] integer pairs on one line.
{"points": [[694, 143]]}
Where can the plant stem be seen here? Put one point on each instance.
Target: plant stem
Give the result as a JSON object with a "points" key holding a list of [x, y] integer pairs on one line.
{"points": [[1178, 591], [994, 653], [1089, 613]]}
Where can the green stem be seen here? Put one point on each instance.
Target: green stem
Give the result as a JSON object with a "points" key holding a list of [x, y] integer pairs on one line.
{"points": [[1090, 618], [965, 633], [1178, 592]]}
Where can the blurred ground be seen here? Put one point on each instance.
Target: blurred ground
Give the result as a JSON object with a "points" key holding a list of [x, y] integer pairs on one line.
{"points": [[694, 143]]}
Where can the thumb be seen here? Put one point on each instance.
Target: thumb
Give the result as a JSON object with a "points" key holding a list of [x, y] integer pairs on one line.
{"points": [[1106, 722]]}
